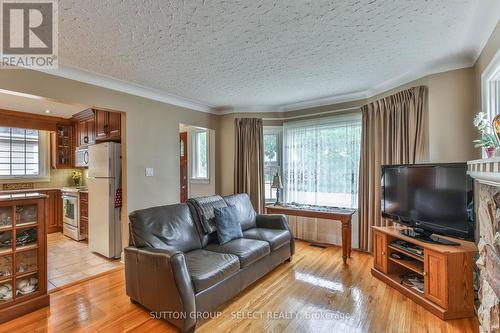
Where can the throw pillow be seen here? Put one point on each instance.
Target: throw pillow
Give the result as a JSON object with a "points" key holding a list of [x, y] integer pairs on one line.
{"points": [[228, 224]]}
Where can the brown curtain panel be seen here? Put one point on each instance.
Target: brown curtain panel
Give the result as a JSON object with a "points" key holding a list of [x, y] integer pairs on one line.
{"points": [[249, 160], [394, 132]]}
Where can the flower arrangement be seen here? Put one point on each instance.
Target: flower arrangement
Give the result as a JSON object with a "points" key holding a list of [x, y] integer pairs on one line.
{"points": [[76, 176], [489, 140]]}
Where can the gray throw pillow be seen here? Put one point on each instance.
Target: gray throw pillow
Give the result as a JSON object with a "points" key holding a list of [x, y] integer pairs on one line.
{"points": [[228, 224]]}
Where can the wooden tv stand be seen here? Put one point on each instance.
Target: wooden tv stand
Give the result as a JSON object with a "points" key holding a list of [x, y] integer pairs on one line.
{"points": [[446, 270]]}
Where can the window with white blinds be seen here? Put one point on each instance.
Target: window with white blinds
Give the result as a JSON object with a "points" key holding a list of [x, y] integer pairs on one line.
{"points": [[19, 152], [321, 160]]}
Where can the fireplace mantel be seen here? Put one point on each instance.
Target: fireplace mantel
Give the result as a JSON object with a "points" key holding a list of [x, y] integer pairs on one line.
{"points": [[485, 171]]}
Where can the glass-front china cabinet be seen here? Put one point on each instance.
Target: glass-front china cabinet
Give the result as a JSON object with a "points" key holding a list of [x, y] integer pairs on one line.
{"points": [[23, 255]]}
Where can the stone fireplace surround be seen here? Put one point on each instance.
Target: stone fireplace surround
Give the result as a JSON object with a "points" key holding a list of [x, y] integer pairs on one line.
{"points": [[486, 172]]}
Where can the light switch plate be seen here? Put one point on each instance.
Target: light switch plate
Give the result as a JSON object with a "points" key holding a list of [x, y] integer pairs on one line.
{"points": [[150, 172]]}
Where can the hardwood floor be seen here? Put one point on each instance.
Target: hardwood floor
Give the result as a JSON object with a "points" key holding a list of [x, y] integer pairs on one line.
{"points": [[315, 283]]}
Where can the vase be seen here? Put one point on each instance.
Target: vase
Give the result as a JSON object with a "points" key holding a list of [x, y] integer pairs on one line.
{"points": [[490, 152], [76, 182]]}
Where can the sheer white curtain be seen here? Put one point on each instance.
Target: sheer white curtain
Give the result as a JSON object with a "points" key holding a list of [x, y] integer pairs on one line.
{"points": [[321, 160]]}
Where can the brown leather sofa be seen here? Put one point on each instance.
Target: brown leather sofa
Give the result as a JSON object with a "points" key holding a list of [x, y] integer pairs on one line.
{"points": [[176, 268]]}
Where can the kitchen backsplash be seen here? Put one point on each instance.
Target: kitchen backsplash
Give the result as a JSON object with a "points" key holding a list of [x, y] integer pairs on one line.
{"points": [[58, 178]]}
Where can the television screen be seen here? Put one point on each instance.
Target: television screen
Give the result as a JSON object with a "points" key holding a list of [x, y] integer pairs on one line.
{"points": [[437, 198]]}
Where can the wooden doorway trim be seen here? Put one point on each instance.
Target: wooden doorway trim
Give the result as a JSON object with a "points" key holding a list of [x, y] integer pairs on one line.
{"points": [[183, 166]]}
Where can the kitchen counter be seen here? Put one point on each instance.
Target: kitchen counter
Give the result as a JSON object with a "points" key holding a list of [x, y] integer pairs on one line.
{"points": [[22, 196], [39, 189]]}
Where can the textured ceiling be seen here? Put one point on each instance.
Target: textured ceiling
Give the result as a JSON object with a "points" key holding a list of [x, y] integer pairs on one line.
{"points": [[260, 52]]}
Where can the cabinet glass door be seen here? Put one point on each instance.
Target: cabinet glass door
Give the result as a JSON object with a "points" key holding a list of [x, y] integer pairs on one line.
{"points": [[5, 241], [5, 217], [26, 214], [27, 237], [26, 261]]}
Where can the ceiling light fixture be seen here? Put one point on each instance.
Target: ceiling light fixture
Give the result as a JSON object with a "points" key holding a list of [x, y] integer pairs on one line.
{"points": [[47, 111]]}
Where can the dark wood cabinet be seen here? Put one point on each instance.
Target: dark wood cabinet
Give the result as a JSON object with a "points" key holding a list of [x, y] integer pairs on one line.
{"points": [[107, 126], [85, 128], [61, 147], [100, 125], [84, 214], [54, 211]]}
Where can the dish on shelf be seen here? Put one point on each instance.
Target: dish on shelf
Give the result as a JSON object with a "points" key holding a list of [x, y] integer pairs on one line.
{"points": [[5, 292], [26, 286]]}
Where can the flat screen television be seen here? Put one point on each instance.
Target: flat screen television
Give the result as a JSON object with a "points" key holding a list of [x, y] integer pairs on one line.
{"points": [[430, 198]]}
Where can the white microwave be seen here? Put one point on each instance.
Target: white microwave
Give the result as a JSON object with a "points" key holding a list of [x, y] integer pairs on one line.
{"points": [[82, 157]]}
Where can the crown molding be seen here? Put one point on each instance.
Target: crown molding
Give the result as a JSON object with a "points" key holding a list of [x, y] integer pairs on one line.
{"points": [[418, 73], [322, 101], [128, 87], [157, 95]]}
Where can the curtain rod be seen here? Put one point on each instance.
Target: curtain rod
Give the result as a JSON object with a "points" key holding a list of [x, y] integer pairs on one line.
{"points": [[315, 114]]}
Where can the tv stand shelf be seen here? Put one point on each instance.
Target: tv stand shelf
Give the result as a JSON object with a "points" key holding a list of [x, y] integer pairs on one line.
{"points": [[413, 265], [446, 271]]}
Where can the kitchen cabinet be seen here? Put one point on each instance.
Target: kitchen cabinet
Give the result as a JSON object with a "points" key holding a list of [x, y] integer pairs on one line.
{"points": [[61, 147], [107, 126], [84, 214], [54, 211], [84, 128]]}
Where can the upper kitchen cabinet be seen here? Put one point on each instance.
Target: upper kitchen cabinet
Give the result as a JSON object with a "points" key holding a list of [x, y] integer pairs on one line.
{"points": [[61, 147], [84, 128], [107, 125]]}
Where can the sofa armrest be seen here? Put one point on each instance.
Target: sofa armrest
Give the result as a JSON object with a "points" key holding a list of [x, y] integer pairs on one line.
{"points": [[276, 221], [272, 221], [159, 280]]}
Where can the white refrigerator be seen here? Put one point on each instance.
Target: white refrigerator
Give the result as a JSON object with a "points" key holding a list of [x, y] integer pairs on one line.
{"points": [[103, 180]]}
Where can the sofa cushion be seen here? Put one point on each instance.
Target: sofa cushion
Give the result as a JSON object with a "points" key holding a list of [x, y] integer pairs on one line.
{"points": [[204, 208], [228, 225], [166, 227], [246, 212], [247, 250], [275, 237], [208, 268]]}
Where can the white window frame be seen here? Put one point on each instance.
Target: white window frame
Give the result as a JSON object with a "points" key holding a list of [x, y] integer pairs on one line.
{"points": [[194, 156], [43, 162], [276, 130], [490, 85]]}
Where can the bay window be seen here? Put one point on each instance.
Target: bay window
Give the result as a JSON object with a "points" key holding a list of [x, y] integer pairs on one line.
{"points": [[319, 161]]}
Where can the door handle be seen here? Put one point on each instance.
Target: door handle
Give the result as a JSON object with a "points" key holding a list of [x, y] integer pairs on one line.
{"points": [[86, 157]]}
